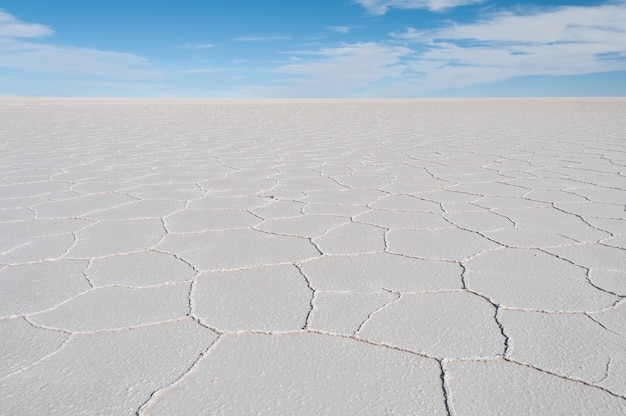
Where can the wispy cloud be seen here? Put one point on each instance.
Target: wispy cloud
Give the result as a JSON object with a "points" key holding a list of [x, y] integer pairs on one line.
{"points": [[204, 70], [71, 60], [379, 7], [261, 38], [336, 71], [11, 27], [32, 55], [339, 29], [197, 45], [572, 41]]}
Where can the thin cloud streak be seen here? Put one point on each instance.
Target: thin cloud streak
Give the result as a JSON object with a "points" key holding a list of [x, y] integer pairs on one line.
{"points": [[197, 45], [70, 60], [339, 29], [10, 27], [30, 55], [204, 70], [351, 67], [577, 40], [380, 7], [260, 38]]}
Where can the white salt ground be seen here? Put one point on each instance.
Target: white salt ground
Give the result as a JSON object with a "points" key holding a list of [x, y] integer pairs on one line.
{"points": [[282, 257]]}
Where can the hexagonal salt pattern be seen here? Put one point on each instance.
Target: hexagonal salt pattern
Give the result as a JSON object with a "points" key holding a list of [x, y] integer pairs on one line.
{"points": [[305, 374], [312, 257]]}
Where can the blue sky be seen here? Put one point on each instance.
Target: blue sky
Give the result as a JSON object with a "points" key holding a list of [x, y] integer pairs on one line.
{"points": [[312, 48]]}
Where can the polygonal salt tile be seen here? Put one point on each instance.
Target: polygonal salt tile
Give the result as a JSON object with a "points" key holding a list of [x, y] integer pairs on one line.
{"points": [[480, 221], [524, 236], [570, 345], [553, 196], [532, 279], [284, 172], [303, 225], [188, 221], [23, 344], [238, 184], [167, 192], [363, 182], [506, 388], [441, 195], [443, 325], [404, 219], [279, 209], [236, 249], [261, 299], [32, 189], [412, 185], [445, 244], [612, 281], [34, 287], [97, 188], [614, 319], [618, 241], [110, 308], [602, 194], [344, 312], [146, 268], [550, 221], [21, 233], [352, 238], [307, 184], [42, 248], [78, 206], [470, 175], [270, 195], [594, 209], [406, 203], [343, 197], [373, 272], [616, 368], [306, 374], [85, 378], [461, 207], [335, 210], [227, 202], [547, 184], [593, 256], [490, 189], [505, 202], [16, 214], [334, 170], [404, 172], [254, 173], [138, 210], [116, 237]]}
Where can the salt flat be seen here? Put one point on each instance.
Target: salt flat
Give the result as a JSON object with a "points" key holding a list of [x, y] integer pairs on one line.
{"points": [[187, 257]]}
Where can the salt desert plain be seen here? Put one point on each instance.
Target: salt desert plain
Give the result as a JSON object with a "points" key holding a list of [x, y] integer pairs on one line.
{"points": [[307, 257]]}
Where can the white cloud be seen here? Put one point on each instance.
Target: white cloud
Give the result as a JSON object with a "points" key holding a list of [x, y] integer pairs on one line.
{"points": [[561, 41], [339, 29], [564, 24], [556, 41], [10, 27], [334, 71], [378, 7], [29, 55], [204, 70], [197, 45], [70, 60], [260, 38]]}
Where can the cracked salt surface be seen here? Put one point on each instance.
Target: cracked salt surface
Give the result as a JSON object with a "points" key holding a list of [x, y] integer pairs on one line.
{"points": [[187, 257]]}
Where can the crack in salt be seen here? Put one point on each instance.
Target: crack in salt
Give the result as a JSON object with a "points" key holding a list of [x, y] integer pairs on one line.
{"points": [[157, 394]]}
